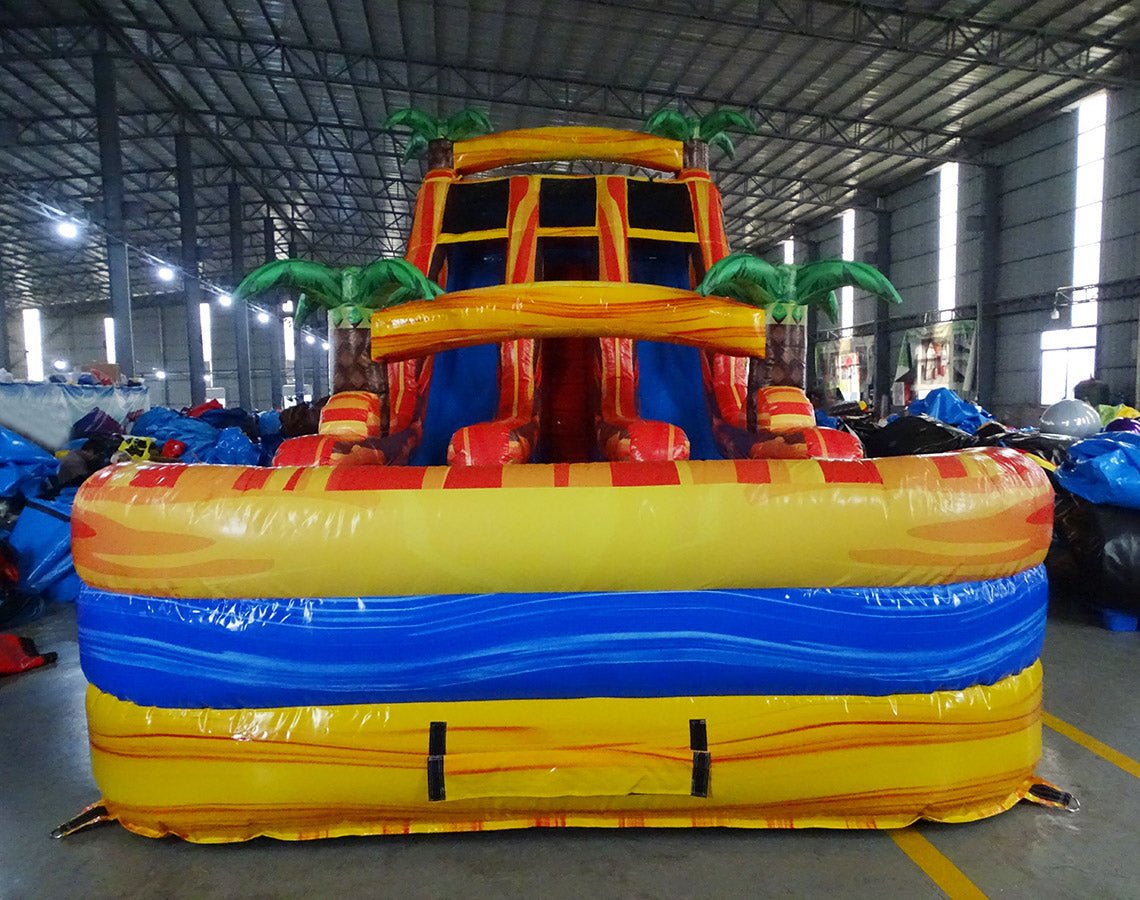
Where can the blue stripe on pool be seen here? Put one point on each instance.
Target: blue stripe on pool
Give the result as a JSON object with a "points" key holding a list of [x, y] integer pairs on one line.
{"points": [[291, 652]]}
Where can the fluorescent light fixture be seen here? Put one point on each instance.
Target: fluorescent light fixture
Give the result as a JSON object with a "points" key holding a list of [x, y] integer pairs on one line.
{"points": [[34, 344], [225, 300], [67, 229], [165, 273], [109, 338], [947, 238], [847, 294], [205, 314], [287, 306], [790, 250], [263, 317], [309, 339]]}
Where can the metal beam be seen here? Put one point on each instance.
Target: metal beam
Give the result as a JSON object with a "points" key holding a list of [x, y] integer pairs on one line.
{"points": [[917, 31], [275, 60], [191, 289], [240, 311], [111, 164]]}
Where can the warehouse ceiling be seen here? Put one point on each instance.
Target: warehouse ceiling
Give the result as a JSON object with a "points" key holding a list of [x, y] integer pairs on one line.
{"points": [[285, 98]]}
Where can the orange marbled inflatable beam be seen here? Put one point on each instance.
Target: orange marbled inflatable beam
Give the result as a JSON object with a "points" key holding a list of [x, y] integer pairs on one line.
{"points": [[566, 143], [222, 531], [550, 309]]}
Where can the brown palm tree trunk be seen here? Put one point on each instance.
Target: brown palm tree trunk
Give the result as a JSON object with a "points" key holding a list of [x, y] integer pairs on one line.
{"points": [[695, 155], [440, 154], [354, 370], [786, 354]]}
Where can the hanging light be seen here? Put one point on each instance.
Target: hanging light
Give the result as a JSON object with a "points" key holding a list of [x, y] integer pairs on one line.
{"points": [[59, 365], [67, 229], [165, 273], [225, 300], [160, 375], [309, 339], [263, 317], [324, 345]]}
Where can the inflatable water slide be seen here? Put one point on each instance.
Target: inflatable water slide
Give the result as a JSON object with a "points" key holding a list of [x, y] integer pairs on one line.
{"points": [[568, 550]]}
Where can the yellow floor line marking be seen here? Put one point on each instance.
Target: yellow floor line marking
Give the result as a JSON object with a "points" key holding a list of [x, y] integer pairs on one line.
{"points": [[1127, 763], [937, 867]]}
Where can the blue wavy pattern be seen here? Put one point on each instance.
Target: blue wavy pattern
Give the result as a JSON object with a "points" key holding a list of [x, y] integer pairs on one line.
{"points": [[286, 652]]}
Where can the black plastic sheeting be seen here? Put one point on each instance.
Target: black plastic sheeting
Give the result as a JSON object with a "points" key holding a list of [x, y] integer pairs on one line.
{"points": [[1104, 542]]}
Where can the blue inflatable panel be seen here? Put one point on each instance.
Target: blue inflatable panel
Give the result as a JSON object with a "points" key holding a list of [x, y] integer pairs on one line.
{"points": [[464, 390], [296, 652], [671, 389]]}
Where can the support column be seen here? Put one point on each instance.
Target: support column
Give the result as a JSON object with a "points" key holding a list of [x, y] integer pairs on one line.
{"points": [[299, 348], [298, 372], [298, 340], [111, 175], [320, 366], [276, 341], [240, 311], [985, 346], [191, 288], [811, 249], [160, 308], [5, 350], [884, 371]]}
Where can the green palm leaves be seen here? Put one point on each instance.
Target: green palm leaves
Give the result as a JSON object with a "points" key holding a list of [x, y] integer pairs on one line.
{"points": [[425, 128], [712, 129], [784, 287], [350, 293]]}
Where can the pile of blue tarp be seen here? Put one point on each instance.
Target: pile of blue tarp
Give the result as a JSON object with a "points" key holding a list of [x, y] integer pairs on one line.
{"points": [[24, 467], [40, 540], [205, 442], [946, 406], [1104, 469]]}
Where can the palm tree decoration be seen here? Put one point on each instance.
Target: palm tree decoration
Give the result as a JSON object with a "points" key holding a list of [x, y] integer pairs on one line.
{"points": [[350, 295], [699, 132], [435, 136], [787, 291]]}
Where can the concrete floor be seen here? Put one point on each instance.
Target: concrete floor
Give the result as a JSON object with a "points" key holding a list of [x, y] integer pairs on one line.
{"points": [[1092, 682]]}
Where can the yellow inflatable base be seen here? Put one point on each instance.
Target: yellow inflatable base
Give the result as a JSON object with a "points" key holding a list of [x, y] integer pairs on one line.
{"points": [[776, 762]]}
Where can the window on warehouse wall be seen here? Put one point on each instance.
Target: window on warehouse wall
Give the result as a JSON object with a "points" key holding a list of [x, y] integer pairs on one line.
{"points": [[1068, 355]]}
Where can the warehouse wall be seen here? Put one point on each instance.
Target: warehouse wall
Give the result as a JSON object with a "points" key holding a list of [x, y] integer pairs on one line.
{"points": [[160, 344], [1117, 347], [1036, 209]]}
